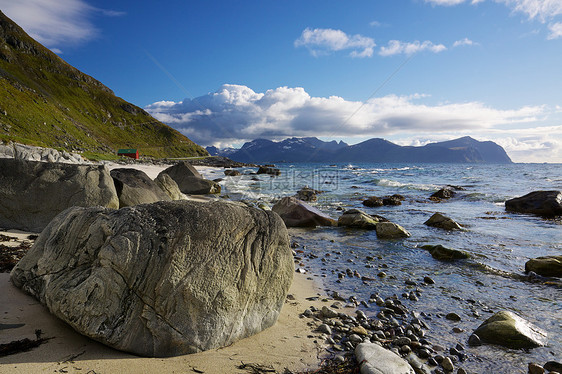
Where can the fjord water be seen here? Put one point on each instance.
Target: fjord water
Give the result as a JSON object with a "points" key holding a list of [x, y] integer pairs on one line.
{"points": [[499, 243]]}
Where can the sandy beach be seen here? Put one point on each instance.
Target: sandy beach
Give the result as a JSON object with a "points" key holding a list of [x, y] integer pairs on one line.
{"points": [[290, 343]]}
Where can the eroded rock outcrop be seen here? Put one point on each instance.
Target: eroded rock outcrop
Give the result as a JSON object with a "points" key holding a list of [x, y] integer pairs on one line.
{"points": [[33, 193], [162, 279], [297, 213]]}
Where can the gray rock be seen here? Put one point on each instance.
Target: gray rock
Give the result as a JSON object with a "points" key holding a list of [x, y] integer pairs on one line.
{"points": [[444, 193], [553, 366], [509, 330], [189, 181], [535, 368], [170, 187], [441, 253], [357, 219], [232, 173], [389, 230], [297, 213], [325, 329], [453, 317], [547, 266], [162, 279], [329, 313], [33, 193], [31, 153], [134, 187], [373, 201], [374, 359], [440, 221], [269, 170], [542, 203], [307, 194]]}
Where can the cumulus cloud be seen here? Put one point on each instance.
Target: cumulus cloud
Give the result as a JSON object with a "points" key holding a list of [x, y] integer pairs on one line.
{"points": [[555, 31], [325, 41], [236, 113], [55, 22], [540, 9], [464, 41], [396, 47]]}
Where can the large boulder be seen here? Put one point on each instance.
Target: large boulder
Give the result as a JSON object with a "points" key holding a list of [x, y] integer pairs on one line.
{"points": [[269, 170], [444, 193], [31, 153], [33, 193], [390, 230], [441, 253], [134, 187], [297, 213], [169, 186], [162, 279], [307, 194], [542, 203], [189, 181], [547, 266], [375, 359], [509, 330], [440, 221], [358, 219]]}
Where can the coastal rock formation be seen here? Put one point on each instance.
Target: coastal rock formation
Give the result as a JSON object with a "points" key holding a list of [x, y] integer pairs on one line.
{"points": [[307, 194], [542, 203], [441, 253], [269, 170], [374, 359], [162, 279], [297, 213], [509, 330], [373, 201], [169, 186], [389, 230], [444, 193], [33, 193], [547, 266], [440, 221], [189, 181], [31, 153], [357, 219], [134, 187], [232, 173]]}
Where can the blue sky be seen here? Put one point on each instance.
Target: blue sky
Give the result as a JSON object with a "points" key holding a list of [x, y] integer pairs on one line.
{"points": [[411, 71]]}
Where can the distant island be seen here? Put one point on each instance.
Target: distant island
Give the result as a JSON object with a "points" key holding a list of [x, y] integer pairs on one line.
{"points": [[461, 150]]}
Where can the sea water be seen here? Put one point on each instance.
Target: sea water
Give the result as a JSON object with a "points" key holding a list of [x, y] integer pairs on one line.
{"points": [[499, 243]]}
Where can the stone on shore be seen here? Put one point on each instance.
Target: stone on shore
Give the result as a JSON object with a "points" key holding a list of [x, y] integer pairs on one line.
{"points": [[441, 253], [389, 230], [33, 193], [162, 279], [547, 266], [232, 173], [134, 187], [297, 213], [269, 170], [169, 186], [307, 194], [444, 193], [542, 203], [509, 330], [374, 359], [373, 201], [440, 221], [357, 219], [189, 181]]}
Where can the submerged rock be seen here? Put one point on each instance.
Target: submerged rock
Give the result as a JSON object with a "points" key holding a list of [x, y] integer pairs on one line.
{"points": [[441, 253], [440, 221], [389, 230], [232, 173], [134, 187], [189, 181], [542, 203], [307, 194], [374, 359], [357, 219], [269, 170], [444, 193], [509, 330], [162, 279], [33, 193], [547, 266], [373, 201], [297, 213]]}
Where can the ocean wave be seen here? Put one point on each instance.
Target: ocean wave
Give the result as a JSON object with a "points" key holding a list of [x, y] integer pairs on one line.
{"points": [[410, 186]]}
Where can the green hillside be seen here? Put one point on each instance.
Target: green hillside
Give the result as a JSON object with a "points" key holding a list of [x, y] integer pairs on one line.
{"points": [[46, 102]]}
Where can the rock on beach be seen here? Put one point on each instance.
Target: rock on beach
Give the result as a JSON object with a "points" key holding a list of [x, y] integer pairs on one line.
{"points": [[374, 359], [162, 279], [547, 266], [189, 181], [297, 213], [440, 221], [134, 187], [542, 203]]}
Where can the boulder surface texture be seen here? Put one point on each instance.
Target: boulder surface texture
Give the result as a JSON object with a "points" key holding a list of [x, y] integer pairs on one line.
{"points": [[547, 266], [542, 203], [440, 221], [134, 187], [162, 279], [33, 193], [297, 213], [374, 359], [189, 181], [509, 330]]}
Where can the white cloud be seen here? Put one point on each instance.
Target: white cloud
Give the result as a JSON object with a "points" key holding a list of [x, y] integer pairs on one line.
{"points": [[55, 22], [396, 47], [555, 31], [464, 41], [451, 2], [236, 113], [324, 41], [540, 9]]}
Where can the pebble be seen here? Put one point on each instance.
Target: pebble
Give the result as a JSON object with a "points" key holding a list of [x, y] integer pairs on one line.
{"points": [[325, 329], [447, 364], [360, 330], [410, 282], [535, 369], [453, 317], [457, 330], [474, 340], [461, 371], [428, 280], [355, 338], [382, 274], [328, 312], [553, 366]]}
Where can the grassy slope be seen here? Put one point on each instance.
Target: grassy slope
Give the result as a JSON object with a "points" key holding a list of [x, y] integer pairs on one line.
{"points": [[46, 102]]}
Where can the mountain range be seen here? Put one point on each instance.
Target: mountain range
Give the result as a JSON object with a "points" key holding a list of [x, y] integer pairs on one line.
{"points": [[46, 102], [461, 150]]}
